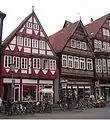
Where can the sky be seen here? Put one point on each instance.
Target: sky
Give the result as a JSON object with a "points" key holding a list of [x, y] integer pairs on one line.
{"points": [[51, 13]]}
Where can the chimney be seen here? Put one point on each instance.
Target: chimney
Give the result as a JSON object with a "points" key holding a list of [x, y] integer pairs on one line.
{"points": [[91, 20]]}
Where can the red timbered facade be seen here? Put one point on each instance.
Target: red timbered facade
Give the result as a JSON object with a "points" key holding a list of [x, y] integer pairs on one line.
{"points": [[75, 63], [28, 63], [99, 33]]}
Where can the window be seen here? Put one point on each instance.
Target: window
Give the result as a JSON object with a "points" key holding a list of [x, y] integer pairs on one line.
{"points": [[83, 46], [104, 46], [108, 47], [16, 62], [98, 65], [29, 25], [82, 63], [24, 63], [76, 62], [99, 44], [36, 63], [52, 64], [73, 43], [27, 42], [19, 40], [89, 64], [106, 32], [64, 60], [70, 61], [78, 44], [96, 44], [7, 61], [45, 64], [41, 44], [104, 65], [35, 26], [34, 43], [108, 65]]}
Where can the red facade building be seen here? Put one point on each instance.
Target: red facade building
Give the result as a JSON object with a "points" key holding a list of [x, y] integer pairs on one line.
{"points": [[29, 68]]}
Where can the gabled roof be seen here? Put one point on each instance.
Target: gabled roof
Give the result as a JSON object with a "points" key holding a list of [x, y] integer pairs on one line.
{"points": [[60, 38], [93, 27], [12, 34]]}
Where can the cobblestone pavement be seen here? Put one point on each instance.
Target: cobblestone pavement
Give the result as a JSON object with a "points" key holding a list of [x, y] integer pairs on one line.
{"points": [[98, 113]]}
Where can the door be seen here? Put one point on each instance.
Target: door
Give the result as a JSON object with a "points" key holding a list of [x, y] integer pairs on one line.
{"points": [[16, 93]]}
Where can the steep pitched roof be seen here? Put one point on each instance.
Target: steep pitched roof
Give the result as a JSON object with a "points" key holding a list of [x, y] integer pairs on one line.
{"points": [[93, 28], [60, 38], [12, 34]]}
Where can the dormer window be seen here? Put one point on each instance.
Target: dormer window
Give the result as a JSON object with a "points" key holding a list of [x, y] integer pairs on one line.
{"points": [[29, 25], [19, 40], [83, 46], [78, 44], [35, 26], [34, 43], [27, 42], [41, 44], [106, 32], [73, 43]]}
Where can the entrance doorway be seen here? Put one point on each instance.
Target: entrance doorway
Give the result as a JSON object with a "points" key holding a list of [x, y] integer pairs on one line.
{"points": [[7, 91], [16, 93]]}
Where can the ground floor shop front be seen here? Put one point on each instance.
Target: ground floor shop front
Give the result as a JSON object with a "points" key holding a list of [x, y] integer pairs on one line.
{"points": [[77, 89], [27, 89]]}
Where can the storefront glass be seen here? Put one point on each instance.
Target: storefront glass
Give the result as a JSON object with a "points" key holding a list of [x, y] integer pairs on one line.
{"points": [[29, 93]]}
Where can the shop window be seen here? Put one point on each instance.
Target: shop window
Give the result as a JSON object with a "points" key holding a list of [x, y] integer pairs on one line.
{"points": [[7, 61], [29, 93]]}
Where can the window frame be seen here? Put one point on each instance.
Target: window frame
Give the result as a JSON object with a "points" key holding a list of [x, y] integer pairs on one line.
{"points": [[82, 63], [52, 66], [76, 60], [64, 59], [34, 43], [47, 67], [20, 40], [73, 43], [36, 63], [70, 59], [16, 62], [28, 42], [89, 63], [25, 63], [42, 44], [7, 61]]}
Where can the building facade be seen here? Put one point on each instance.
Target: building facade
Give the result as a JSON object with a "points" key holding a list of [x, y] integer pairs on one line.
{"points": [[99, 33], [29, 69], [75, 60]]}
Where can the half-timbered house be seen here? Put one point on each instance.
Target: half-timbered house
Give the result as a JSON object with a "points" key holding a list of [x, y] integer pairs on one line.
{"points": [[29, 68], [75, 59], [99, 33]]}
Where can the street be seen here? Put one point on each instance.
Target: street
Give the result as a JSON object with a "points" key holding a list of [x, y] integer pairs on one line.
{"points": [[94, 113]]}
